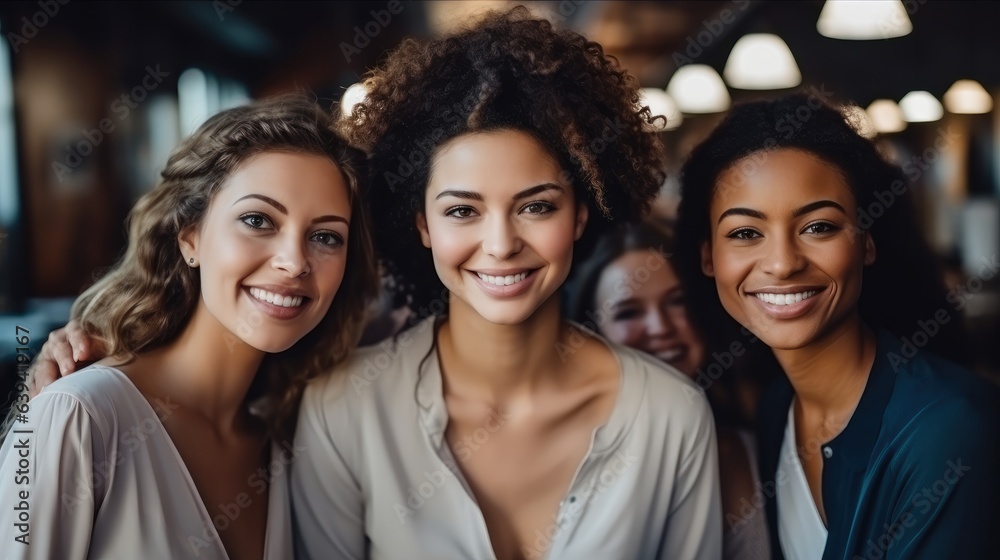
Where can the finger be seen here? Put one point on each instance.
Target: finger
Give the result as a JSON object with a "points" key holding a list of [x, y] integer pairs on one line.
{"points": [[87, 347], [42, 373], [58, 350], [79, 341]]}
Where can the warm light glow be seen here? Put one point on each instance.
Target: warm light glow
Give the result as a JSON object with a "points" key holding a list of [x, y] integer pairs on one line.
{"points": [[352, 96], [920, 106], [660, 103], [968, 97], [698, 89], [886, 116], [761, 61], [860, 121], [863, 19]]}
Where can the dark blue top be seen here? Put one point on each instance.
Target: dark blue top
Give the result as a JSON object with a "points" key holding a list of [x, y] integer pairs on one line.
{"points": [[916, 472]]}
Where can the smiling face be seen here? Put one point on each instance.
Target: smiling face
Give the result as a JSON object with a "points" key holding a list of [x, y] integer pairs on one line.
{"points": [[271, 248], [646, 309], [500, 220], [785, 248]]}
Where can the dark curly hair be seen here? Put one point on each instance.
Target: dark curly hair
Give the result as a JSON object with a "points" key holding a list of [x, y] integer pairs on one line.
{"points": [[903, 286], [509, 71]]}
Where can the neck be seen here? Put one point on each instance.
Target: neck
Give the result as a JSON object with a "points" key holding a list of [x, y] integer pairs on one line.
{"points": [[830, 374], [496, 362], [206, 369]]}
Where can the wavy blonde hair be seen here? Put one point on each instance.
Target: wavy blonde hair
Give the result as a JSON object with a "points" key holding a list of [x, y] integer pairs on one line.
{"points": [[148, 297]]}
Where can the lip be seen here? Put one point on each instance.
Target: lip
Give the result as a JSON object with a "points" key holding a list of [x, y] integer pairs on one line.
{"points": [[670, 354], [790, 311], [276, 311], [504, 291], [281, 289]]}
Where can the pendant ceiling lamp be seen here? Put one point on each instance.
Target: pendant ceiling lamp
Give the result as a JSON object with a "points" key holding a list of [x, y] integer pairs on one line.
{"points": [[698, 89], [861, 20], [660, 103], [968, 97], [761, 61]]}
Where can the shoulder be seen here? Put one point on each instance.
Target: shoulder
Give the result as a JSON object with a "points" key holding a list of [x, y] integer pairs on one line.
{"points": [[666, 388], [371, 373], [100, 390]]}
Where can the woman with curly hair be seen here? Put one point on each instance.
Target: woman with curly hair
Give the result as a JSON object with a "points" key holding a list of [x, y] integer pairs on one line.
{"points": [[247, 272], [629, 291], [873, 445], [494, 428]]}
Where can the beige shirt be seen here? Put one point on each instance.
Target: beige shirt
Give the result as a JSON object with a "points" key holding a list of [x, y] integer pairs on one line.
{"points": [[104, 481], [378, 479]]}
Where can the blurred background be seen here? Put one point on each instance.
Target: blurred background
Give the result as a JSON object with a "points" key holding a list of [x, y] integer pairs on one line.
{"points": [[95, 95]]}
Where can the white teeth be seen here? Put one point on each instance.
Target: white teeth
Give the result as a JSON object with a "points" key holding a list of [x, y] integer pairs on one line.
{"points": [[503, 280], [276, 299], [785, 299]]}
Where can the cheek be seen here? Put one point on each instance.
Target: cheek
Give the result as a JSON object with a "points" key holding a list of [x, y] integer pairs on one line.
{"points": [[449, 246], [621, 332]]}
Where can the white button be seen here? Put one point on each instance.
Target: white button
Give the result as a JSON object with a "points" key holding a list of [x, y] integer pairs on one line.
{"points": [[827, 452]]}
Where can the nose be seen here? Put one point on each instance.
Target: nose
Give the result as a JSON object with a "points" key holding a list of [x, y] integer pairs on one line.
{"points": [[291, 258], [501, 239], [657, 323], [783, 257]]}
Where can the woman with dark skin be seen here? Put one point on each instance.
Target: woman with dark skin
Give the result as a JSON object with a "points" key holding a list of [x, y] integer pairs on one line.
{"points": [[872, 444]]}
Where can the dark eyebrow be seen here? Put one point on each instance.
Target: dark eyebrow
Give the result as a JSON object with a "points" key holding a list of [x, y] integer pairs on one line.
{"points": [[816, 206], [460, 194], [811, 207], [743, 212], [279, 206], [530, 191]]}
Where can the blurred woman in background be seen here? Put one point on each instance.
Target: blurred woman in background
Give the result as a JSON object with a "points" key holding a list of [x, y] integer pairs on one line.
{"points": [[629, 292]]}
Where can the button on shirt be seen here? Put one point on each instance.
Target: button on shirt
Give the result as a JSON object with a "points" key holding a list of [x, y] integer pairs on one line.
{"points": [[914, 472], [379, 480]]}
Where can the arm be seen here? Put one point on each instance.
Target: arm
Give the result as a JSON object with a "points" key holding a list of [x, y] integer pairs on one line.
{"points": [[694, 523], [45, 482], [947, 500], [327, 503]]}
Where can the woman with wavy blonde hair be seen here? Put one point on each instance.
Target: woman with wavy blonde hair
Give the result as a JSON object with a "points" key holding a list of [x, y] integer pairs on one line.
{"points": [[248, 271]]}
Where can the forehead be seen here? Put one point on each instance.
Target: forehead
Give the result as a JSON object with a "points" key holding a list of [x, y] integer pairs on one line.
{"points": [[294, 179], [780, 178], [493, 162], [639, 273]]}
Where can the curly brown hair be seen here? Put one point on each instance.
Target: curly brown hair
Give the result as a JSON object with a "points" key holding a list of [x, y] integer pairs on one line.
{"points": [[147, 299], [509, 71]]}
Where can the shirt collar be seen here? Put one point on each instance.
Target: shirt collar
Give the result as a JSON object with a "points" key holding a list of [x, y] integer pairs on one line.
{"points": [[856, 442]]}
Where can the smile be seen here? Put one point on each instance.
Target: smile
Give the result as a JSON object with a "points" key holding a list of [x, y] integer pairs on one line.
{"points": [[508, 280], [785, 299], [276, 299]]}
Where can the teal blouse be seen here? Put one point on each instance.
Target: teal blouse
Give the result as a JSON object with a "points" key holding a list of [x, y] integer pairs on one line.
{"points": [[916, 472]]}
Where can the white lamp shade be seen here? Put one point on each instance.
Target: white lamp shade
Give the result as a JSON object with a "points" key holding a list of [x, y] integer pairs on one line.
{"points": [[352, 96], [698, 89], [920, 106], [860, 121], [968, 97], [886, 116], [761, 61], [660, 103], [863, 19]]}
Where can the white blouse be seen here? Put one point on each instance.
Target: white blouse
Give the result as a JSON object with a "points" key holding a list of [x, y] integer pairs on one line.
{"points": [[97, 476], [379, 479], [800, 528]]}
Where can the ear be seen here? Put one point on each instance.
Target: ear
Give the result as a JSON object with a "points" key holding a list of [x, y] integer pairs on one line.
{"points": [[869, 249], [187, 241], [707, 266], [582, 215], [425, 236]]}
